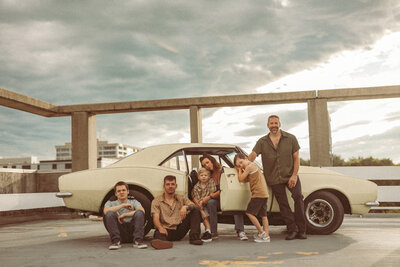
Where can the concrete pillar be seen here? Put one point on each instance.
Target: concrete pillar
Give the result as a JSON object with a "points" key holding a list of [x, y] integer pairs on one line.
{"points": [[84, 142], [319, 133], [195, 125], [195, 131]]}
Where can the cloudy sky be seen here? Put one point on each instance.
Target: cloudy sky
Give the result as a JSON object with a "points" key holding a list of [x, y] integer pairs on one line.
{"points": [[73, 52]]}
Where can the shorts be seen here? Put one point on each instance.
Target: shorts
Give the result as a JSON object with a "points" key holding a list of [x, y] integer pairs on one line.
{"points": [[257, 207]]}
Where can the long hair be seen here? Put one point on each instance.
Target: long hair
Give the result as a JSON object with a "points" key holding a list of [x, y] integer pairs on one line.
{"points": [[214, 162]]}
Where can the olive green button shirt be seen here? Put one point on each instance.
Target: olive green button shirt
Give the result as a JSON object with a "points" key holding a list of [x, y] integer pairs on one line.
{"points": [[277, 163]]}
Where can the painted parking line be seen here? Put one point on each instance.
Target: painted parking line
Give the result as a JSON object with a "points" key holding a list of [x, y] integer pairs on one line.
{"points": [[246, 260]]}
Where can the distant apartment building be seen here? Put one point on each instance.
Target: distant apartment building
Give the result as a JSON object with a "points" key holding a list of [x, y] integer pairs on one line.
{"points": [[107, 154], [104, 150]]}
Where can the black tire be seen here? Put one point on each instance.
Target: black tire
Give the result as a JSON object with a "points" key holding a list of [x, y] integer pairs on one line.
{"points": [[146, 204], [324, 213]]}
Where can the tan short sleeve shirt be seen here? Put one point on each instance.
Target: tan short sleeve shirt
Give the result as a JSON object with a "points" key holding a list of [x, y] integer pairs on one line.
{"points": [[169, 214]]}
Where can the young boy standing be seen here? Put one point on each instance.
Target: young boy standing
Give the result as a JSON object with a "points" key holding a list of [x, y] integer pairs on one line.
{"points": [[249, 172], [201, 195]]}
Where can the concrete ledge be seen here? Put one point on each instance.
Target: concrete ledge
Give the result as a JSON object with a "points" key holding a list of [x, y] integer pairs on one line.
{"points": [[27, 201], [21, 216]]}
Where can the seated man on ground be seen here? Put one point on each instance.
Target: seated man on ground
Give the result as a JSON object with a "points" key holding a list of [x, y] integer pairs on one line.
{"points": [[172, 213], [124, 219]]}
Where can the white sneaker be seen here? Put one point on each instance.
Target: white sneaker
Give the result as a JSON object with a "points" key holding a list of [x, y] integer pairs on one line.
{"points": [[260, 238], [243, 236], [115, 245], [138, 243]]}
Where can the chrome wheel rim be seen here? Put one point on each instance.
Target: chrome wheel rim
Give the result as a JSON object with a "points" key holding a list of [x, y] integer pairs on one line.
{"points": [[319, 213]]}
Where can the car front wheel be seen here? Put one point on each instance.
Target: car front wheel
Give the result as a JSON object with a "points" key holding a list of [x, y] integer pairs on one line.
{"points": [[324, 213]]}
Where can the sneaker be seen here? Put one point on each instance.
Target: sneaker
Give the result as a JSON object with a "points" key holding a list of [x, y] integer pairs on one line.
{"points": [[139, 244], [242, 236], [260, 238], [115, 245], [214, 235], [196, 242], [206, 237], [161, 244]]}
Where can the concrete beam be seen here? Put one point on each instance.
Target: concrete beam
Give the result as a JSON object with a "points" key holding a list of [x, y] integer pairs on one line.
{"points": [[84, 142], [360, 93], [186, 103], [25, 103], [319, 133]]}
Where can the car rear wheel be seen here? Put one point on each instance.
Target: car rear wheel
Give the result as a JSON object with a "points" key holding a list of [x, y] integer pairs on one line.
{"points": [[324, 213]]}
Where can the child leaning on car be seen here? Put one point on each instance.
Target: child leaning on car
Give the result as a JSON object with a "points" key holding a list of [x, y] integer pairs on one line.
{"points": [[257, 207], [201, 195]]}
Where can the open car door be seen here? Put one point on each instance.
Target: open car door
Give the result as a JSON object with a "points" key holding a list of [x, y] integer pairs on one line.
{"points": [[235, 196]]}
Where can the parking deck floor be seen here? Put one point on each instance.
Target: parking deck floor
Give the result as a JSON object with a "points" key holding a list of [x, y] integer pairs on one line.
{"points": [[373, 240]]}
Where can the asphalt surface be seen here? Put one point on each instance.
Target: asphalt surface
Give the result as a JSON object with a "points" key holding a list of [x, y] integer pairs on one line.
{"points": [[373, 240]]}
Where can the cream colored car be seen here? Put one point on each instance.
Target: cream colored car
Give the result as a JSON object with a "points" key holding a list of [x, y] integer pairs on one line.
{"points": [[328, 195]]}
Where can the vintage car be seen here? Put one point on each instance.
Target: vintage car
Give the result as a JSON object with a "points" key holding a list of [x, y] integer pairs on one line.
{"points": [[328, 195]]}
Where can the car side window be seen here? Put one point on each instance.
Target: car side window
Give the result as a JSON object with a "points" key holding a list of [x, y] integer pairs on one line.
{"points": [[223, 163], [176, 161]]}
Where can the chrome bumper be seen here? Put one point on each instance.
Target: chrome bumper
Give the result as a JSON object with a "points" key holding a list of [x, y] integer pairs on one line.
{"points": [[372, 204], [63, 194]]}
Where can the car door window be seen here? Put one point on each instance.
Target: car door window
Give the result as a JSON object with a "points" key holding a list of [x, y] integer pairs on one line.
{"points": [[177, 162]]}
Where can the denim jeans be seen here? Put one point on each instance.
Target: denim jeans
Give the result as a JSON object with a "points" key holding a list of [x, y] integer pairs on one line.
{"points": [[295, 222], [126, 232], [213, 206]]}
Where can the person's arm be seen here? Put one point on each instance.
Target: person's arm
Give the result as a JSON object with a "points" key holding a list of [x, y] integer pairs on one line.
{"points": [[296, 165], [117, 208], [125, 214], [242, 174], [252, 156], [158, 225], [215, 194], [196, 201]]}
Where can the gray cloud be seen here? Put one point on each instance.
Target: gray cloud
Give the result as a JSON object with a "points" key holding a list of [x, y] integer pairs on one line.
{"points": [[289, 119], [385, 145], [105, 51]]}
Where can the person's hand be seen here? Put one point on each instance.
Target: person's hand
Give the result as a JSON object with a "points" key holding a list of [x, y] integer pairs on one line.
{"points": [[292, 181], [163, 231], [183, 212], [127, 206], [121, 218]]}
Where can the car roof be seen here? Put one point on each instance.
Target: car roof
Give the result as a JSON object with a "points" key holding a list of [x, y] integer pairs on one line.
{"points": [[154, 155]]}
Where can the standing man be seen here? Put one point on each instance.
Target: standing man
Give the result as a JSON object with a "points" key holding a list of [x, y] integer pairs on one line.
{"points": [[280, 158], [124, 218], [172, 215]]}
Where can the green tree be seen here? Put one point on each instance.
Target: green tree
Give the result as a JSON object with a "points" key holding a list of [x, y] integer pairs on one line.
{"points": [[369, 161], [338, 161], [304, 162]]}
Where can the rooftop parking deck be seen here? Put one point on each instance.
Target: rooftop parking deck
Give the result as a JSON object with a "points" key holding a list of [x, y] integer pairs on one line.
{"points": [[372, 240]]}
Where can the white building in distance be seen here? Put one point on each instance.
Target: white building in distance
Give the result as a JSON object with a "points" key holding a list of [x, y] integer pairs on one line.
{"points": [[104, 150], [19, 163]]}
